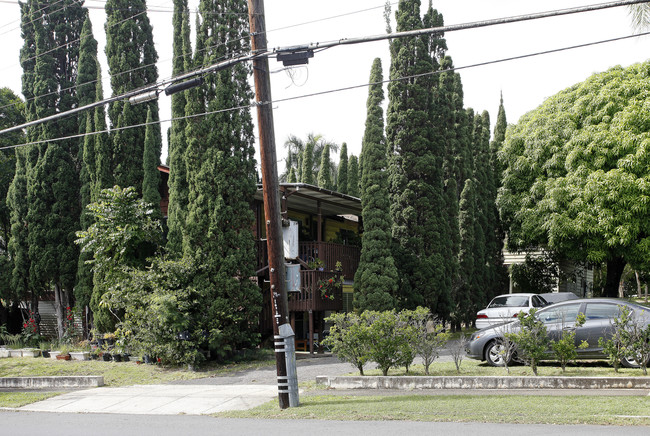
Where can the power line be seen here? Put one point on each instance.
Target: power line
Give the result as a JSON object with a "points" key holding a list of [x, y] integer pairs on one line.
{"points": [[171, 59], [332, 91], [306, 48]]}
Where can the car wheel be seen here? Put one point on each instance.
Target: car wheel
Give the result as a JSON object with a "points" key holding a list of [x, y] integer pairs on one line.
{"points": [[494, 354], [629, 362]]}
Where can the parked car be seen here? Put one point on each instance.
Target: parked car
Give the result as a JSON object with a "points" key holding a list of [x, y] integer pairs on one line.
{"points": [[556, 297], [486, 344], [504, 307]]}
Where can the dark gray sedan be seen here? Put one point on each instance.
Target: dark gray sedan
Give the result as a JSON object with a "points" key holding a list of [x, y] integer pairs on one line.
{"points": [[487, 344]]}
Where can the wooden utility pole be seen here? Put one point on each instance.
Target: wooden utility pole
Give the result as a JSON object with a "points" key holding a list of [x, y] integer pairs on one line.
{"points": [[270, 186]]}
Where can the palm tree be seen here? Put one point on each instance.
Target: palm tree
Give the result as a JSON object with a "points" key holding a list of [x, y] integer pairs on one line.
{"points": [[295, 148], [640, 14]]}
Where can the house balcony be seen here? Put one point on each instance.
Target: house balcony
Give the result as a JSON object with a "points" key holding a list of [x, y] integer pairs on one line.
{"points": [[309, 297], [328, 252]]}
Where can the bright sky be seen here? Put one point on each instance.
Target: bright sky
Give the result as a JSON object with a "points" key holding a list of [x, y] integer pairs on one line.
{"points": [[340, 116]]}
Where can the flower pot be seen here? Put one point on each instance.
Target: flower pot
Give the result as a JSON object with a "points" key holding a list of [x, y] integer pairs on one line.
{"points": [[31, 352], [62, 357], [117, 357], [80, 355], [106, 357], [45, 353]]}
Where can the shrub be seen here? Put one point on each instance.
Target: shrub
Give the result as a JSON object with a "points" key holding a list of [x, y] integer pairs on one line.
{"points": [[531, 339], [348, 339]]}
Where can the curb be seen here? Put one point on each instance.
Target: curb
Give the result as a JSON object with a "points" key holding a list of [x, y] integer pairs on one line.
{"points": [[64, 382], [486, 382]]}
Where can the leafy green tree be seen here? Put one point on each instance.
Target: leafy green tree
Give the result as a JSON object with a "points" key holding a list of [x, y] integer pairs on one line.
{"points": [[531, 339], [124, 234], [375, 282], [462, 292], [325, 171], [353, 176], [575, 171], [390, 339], [296, 148], [348, 339], [132, 58], [428, 335], [181, 62], [564, 348], [342, 177], [538, 274]]}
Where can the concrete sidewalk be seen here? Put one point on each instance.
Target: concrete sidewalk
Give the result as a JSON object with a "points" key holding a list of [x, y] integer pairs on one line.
{"points": [[158, 399]]}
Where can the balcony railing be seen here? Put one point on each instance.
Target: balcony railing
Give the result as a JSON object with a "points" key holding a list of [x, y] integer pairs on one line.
{"points": [[310, 297], [328, 252]]}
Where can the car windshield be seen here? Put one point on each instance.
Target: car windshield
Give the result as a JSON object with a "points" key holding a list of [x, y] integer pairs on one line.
{"points": [[509, 301]]}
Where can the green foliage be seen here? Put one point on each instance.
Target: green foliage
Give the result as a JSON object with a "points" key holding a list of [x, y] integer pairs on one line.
{"points": [[308, 164], [131, 57], [162, 312], [630, 340], [564, 348], [531, 340], [576, 172], [348, 339], [375, 281], [427, 335], [538, 274], [390, 338], [151, 160], [325, 171], [353, 176], [123, 235], [342, 176]]}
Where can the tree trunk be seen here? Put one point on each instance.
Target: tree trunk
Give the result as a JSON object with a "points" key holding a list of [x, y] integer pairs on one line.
{"points": [[638, 284], [58, 309], [614, 272]]}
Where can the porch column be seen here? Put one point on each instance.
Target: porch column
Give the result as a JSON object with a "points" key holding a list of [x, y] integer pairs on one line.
{"points": [[311, 331], [319, 231]]}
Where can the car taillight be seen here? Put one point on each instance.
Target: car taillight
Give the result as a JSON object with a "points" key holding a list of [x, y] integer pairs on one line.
{"points": [[481, 316]]}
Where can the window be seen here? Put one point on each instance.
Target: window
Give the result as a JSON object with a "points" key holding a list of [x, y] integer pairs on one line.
{"points": [[602, 311], [565, 313]]}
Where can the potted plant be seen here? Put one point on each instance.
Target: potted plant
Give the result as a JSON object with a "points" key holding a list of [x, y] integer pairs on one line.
{"points": [[316, 264], [63, 354]]}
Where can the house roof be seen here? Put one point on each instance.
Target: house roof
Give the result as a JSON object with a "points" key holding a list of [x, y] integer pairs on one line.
{"points": [[304, 197]]}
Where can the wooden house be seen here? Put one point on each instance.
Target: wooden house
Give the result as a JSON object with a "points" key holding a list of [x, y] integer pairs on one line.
{"points": [[328, 233]]}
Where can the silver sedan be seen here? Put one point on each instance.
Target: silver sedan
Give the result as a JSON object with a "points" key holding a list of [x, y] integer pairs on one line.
{"points": [[487, 344]]}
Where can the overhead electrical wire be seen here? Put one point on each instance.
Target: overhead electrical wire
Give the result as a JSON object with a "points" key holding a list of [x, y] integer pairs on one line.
{"points": [[172, 59], [332, 91], [318, 46]]}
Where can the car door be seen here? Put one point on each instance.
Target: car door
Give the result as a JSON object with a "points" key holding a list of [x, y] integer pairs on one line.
{"points": [[558, 318], [598, 324]]}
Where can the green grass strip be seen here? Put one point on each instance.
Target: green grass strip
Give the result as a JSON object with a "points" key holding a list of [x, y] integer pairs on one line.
{"points": [[599, 410]]}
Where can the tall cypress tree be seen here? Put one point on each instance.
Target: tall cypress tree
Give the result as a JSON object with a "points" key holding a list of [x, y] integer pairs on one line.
{"points": [[353, 176], [342, 176], [416, 179], [325, 171], [222, 183], [375, 282], [151, 160], [53, 181], [132, 60], [87, 92], [308, 164], [177, 143]]}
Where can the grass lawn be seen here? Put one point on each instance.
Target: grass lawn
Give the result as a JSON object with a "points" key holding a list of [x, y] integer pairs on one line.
{"points": [[19, 399], [121, 373], [598, 410]]}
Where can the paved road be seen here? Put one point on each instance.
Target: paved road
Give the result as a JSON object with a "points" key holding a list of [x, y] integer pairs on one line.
{"points": [[65, 424]]}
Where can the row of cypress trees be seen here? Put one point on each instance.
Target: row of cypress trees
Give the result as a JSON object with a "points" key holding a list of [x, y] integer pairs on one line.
{"points": [[431, 231], [212, 176]]}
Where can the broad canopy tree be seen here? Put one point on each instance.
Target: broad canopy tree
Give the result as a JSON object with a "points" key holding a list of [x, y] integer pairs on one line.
{"points": [[577, 174]]}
